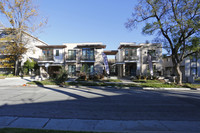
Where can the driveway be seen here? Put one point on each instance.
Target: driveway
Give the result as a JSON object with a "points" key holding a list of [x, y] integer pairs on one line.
{"points": [[14, 81], [99, 103]]}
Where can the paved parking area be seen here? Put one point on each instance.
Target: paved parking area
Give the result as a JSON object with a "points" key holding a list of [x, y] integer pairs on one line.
{"points": [[99, 103]]}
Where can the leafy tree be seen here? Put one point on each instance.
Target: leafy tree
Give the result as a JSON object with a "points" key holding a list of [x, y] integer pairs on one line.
{"points": [[6, 62], [20, 16], [29, 65], [178, 23]]}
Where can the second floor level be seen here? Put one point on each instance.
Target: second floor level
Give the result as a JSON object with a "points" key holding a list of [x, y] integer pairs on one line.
{"points": [[130, 52]]}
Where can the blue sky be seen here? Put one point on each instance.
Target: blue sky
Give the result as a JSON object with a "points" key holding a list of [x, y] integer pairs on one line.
{"points": [[72, 21]]}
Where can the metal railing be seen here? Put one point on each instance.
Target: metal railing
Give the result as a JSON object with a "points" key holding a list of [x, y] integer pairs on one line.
{"points": [[46, 58], [131, 58], [71, 58], [88, 58]]}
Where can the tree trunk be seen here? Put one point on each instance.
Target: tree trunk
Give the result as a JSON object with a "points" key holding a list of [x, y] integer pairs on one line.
{"points": [[180, 75], [16, 67]]}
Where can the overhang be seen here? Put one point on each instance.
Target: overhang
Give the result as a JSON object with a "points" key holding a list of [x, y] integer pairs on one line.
{"points": [[91, 46], [110, 52], [52, 46], [129, 46]]}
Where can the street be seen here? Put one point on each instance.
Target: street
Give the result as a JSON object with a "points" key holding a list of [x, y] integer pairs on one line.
{"points": [[99, 103]]}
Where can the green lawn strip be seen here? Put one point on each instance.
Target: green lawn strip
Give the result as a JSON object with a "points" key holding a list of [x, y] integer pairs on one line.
{"points": [[112, 80], [2, 77], [20, 130], [99, 84], [8, 75], [44, 82], [188, 85], [108, 80], [155, 84], [163, 85], [147, 81]]}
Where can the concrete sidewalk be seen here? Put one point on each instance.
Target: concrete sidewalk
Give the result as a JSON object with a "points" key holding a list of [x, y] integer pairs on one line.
{"points": [[100, 125]]}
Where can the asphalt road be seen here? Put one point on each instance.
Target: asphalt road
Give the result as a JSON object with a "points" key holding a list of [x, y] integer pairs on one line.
{"points": [[99, 103]]}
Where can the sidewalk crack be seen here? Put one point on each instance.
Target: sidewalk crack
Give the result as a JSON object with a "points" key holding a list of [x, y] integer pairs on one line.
{"points": [[13, 121], [46, 123]]}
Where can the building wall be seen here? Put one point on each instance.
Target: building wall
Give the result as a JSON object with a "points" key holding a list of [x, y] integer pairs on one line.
{"points": [[60, 58], [32, 50], [143, 53], [98, 64]]}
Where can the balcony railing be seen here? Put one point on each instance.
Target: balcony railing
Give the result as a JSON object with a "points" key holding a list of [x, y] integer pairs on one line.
{"points": [[88, 58], [154, 58], [71, 58], [45, 58], [131, 58]]}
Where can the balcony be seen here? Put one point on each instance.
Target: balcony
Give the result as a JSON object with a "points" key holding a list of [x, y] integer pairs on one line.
{"points": [[46, 58], [131, 58], [154, 59], [71, 59], [87, 59]]}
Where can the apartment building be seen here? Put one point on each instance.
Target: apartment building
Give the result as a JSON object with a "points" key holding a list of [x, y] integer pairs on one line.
{"points": [[190, 67], [51, 60], [74, 57], [132, 59], [30, 43]]}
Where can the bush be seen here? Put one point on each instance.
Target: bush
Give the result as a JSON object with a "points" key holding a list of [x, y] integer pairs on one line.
{"points": [[82, 76], [62, 76], [101, 76]]}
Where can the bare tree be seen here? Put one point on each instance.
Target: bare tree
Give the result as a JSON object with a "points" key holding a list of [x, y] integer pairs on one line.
{"points": [[177, 21], [21, 17]]}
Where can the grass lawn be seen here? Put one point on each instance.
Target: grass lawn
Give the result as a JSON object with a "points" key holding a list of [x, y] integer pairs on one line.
{"points": [[44, 82], [147, 81], [140, 83], [3, 76], [108, 80], [20, 130], [191, 85], [112, 80]]}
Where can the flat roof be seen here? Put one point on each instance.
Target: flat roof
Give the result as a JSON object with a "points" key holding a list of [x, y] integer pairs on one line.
{"points": [[110, 52], [52, 46], [91, 46], [128, 46]]}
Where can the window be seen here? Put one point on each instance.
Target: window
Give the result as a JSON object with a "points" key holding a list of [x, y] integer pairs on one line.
{"points": [[72, 54], [88, 53], [152, 52], [88, 68], [57, 52], [194, 59], [47, 52], [72, 69], [193, 71], [130, 53]]}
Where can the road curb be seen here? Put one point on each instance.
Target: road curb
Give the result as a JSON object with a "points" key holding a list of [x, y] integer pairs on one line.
{"points": [[110, 87], [178, 89]]}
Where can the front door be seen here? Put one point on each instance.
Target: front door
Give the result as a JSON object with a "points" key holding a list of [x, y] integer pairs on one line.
{"points": [[130, 69]]}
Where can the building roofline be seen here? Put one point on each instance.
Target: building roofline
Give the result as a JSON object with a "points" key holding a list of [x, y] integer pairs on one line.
{"points": [[51, 46], [129, 46], [91, 46], [110, 52], [35, 38], [84, 43]]}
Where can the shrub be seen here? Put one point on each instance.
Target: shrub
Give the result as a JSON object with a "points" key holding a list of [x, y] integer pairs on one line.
{"points": [[101, 76], [83, 76], [62, 76]]}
